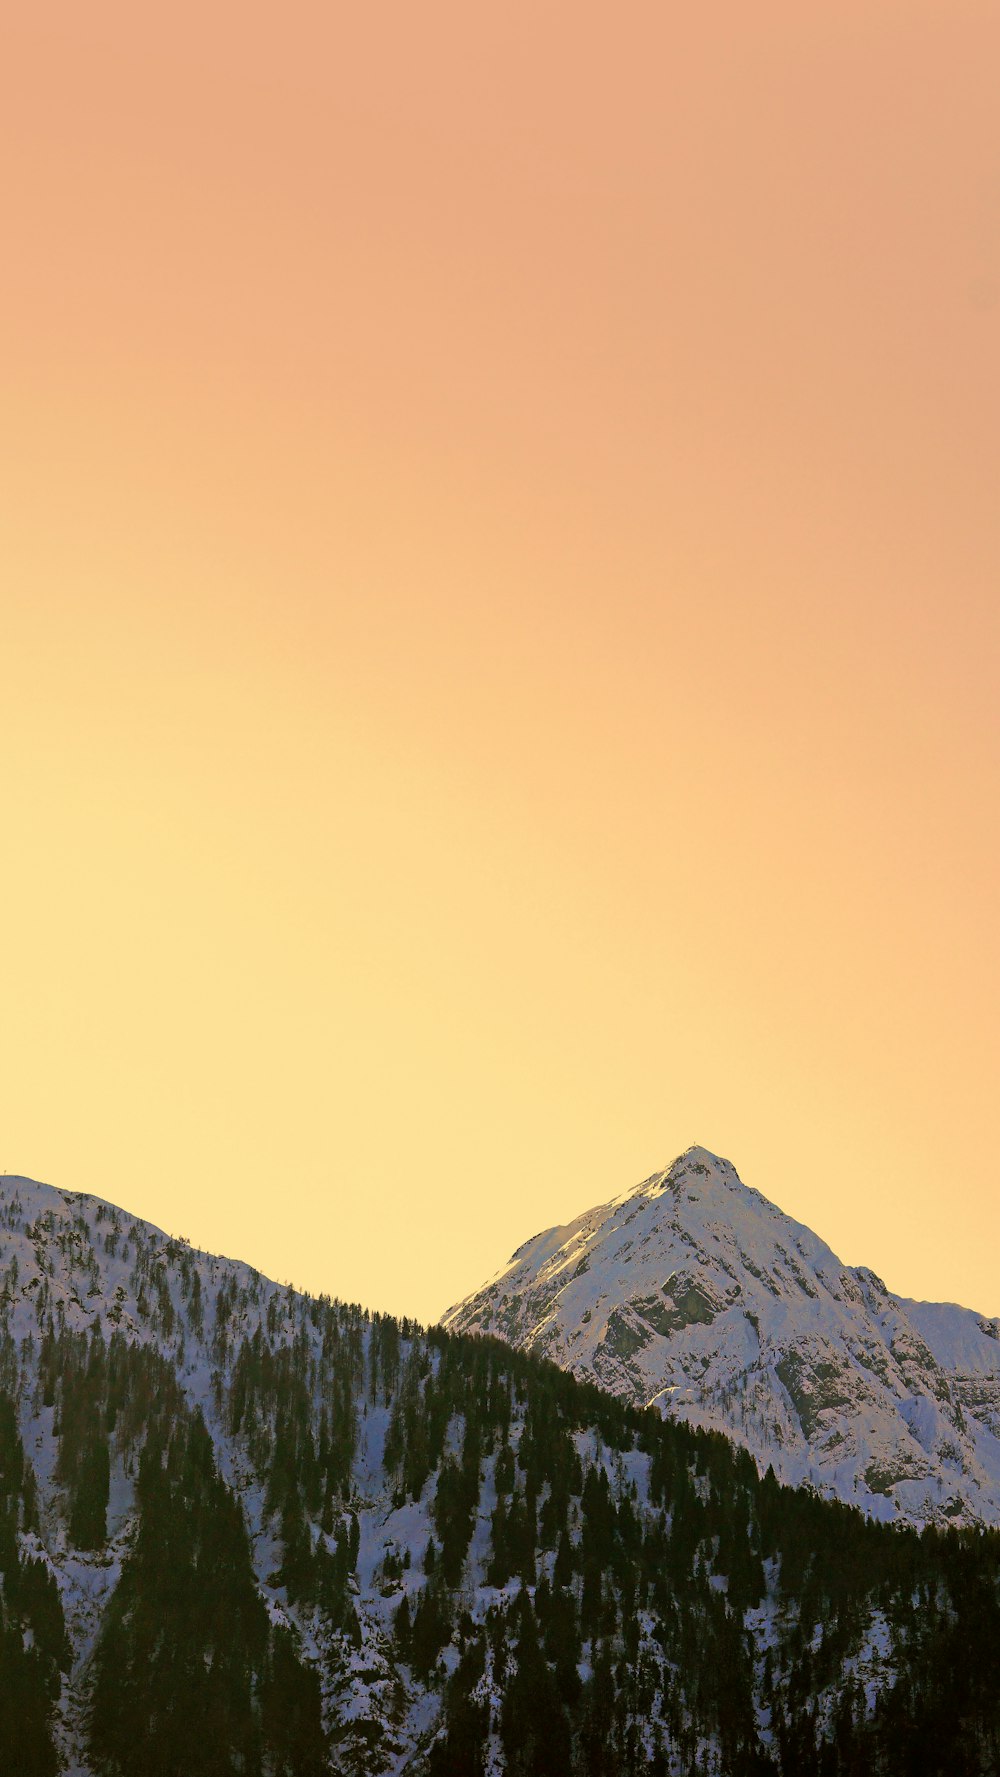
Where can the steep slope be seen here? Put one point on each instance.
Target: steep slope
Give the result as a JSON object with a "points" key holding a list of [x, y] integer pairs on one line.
{"points": [[694, 1293], [249, 1533]]}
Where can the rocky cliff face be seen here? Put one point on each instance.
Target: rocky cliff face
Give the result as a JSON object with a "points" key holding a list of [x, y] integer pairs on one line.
{"points": [[695, 1293]]}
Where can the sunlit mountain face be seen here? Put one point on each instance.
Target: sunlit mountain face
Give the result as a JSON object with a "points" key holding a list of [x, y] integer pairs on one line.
{"points": [[695, 1294]]}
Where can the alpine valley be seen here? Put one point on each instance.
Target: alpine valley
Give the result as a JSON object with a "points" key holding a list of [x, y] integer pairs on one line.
{"points": [[245, 1532]]}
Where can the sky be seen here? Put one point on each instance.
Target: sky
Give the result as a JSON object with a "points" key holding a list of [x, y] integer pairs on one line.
{"points": [[500, 622]]}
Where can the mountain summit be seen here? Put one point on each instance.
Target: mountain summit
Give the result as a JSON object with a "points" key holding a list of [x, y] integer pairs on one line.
{"points": [[694, 1293]]}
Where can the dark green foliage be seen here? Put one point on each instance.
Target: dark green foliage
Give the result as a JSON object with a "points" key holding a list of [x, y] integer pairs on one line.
{"points": [[461, 1750], [25, 1706], [290, 1713], [455, 1504], [88, 1519], [431, 1630], [84, 1465], [188, 1675], [332, 1575], [534, 1729], [33, 1645], [32, 1594]]}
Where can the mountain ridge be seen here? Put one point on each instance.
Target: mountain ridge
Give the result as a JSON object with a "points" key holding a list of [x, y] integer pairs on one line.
{"points": [[691, 1290], [246, 1532]]}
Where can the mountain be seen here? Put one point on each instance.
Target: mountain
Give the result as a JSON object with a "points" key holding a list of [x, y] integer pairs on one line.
{"points": [[695, 1294], [246, 1532]]}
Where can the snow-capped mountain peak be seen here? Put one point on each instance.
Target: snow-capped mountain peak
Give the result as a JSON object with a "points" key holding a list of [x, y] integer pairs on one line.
{"points": [[694, 1292]]}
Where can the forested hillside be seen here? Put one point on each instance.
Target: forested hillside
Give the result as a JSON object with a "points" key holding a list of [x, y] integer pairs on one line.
{"points": [[247, 1531]]}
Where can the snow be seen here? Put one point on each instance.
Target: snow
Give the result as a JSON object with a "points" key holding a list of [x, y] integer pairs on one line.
{"points": [[694, 1293], [691, 1291]]}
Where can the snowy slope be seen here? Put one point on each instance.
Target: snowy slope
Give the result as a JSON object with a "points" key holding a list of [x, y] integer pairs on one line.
{"points": [[694, 1292], [86, 1265], [74, 1262], [688, 1606]]}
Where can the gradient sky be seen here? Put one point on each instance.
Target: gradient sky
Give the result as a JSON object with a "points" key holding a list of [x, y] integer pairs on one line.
{"points": [[499, 622]]}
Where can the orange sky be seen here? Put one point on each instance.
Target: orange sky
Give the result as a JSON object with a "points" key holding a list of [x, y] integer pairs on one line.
{"points": [[499, 622]]}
